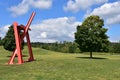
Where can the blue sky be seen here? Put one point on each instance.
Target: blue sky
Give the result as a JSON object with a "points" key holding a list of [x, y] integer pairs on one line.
{"points": [[56, 20]]}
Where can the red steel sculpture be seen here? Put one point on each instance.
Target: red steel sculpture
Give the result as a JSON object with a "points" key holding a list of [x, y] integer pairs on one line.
{"points": [[18, 40]]}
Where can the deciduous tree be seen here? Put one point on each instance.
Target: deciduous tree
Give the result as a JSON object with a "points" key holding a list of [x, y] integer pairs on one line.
{"points": [[91, 36], [9, 40]]}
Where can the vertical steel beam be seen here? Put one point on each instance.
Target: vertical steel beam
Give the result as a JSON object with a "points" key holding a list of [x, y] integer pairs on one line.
{"points": [[19, 38]]}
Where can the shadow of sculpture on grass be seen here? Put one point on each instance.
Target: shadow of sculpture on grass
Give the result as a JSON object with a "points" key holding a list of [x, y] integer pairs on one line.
{"points": [[91, 58], [22, 56]]}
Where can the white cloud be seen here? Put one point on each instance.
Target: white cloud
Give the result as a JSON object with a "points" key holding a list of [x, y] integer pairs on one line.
{"points": [[43, 35], [25, 6], [113, 20], [76, 5], [109, 11], [3, 30], [52, 30]]}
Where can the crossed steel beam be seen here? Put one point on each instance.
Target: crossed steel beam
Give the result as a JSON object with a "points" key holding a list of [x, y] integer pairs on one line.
{"points": [[19, 39]]}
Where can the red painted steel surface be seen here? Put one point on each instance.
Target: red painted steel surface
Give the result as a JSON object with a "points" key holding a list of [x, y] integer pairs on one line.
{"points": [[19, 38]]}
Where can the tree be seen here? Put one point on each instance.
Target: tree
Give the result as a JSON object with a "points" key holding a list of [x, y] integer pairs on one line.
{"points": [[114, 47], [91, 35], [0, 41], [9, 40]]}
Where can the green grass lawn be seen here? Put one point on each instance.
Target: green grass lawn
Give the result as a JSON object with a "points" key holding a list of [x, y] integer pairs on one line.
{"points": [[50, 65]]}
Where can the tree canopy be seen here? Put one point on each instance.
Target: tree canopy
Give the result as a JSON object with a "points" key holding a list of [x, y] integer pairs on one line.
{"points": [[9, 40], [91, 35]]}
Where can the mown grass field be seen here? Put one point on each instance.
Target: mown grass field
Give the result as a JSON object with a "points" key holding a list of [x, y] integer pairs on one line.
{"points": [[50, 65]]}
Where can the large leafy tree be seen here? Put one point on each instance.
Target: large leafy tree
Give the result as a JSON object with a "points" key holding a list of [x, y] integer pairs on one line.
{"points": [[9, 40], [91, 35]]}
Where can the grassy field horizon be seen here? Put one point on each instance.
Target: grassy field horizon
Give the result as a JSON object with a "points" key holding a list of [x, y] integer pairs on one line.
{"points": [[50, 65]]}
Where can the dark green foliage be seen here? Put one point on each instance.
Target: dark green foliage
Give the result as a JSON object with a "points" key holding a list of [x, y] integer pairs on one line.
{"points": [[9, 40], [91, 35], [66, 47], [114, 47], [0, 41]]}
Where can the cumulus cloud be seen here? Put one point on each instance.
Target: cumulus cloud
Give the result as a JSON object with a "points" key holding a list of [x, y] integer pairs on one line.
{"points": [[52, 30], [76, 5], [3, 30], [25, 6], [109, 11]]}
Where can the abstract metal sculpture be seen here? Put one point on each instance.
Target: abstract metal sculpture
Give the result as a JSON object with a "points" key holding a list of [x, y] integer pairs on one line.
{"points": [[18, 40]]}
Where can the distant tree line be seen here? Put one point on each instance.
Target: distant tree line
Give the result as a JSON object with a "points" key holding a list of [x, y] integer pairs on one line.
{"points": [[72, 47], [66, 47], [69, 47], [114, 47]]}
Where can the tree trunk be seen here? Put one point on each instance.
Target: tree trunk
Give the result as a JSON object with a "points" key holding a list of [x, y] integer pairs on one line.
{"points": [[90, 54]]}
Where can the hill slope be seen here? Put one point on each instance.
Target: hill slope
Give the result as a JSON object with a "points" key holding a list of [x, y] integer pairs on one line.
{"points": [[50, 65]]}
